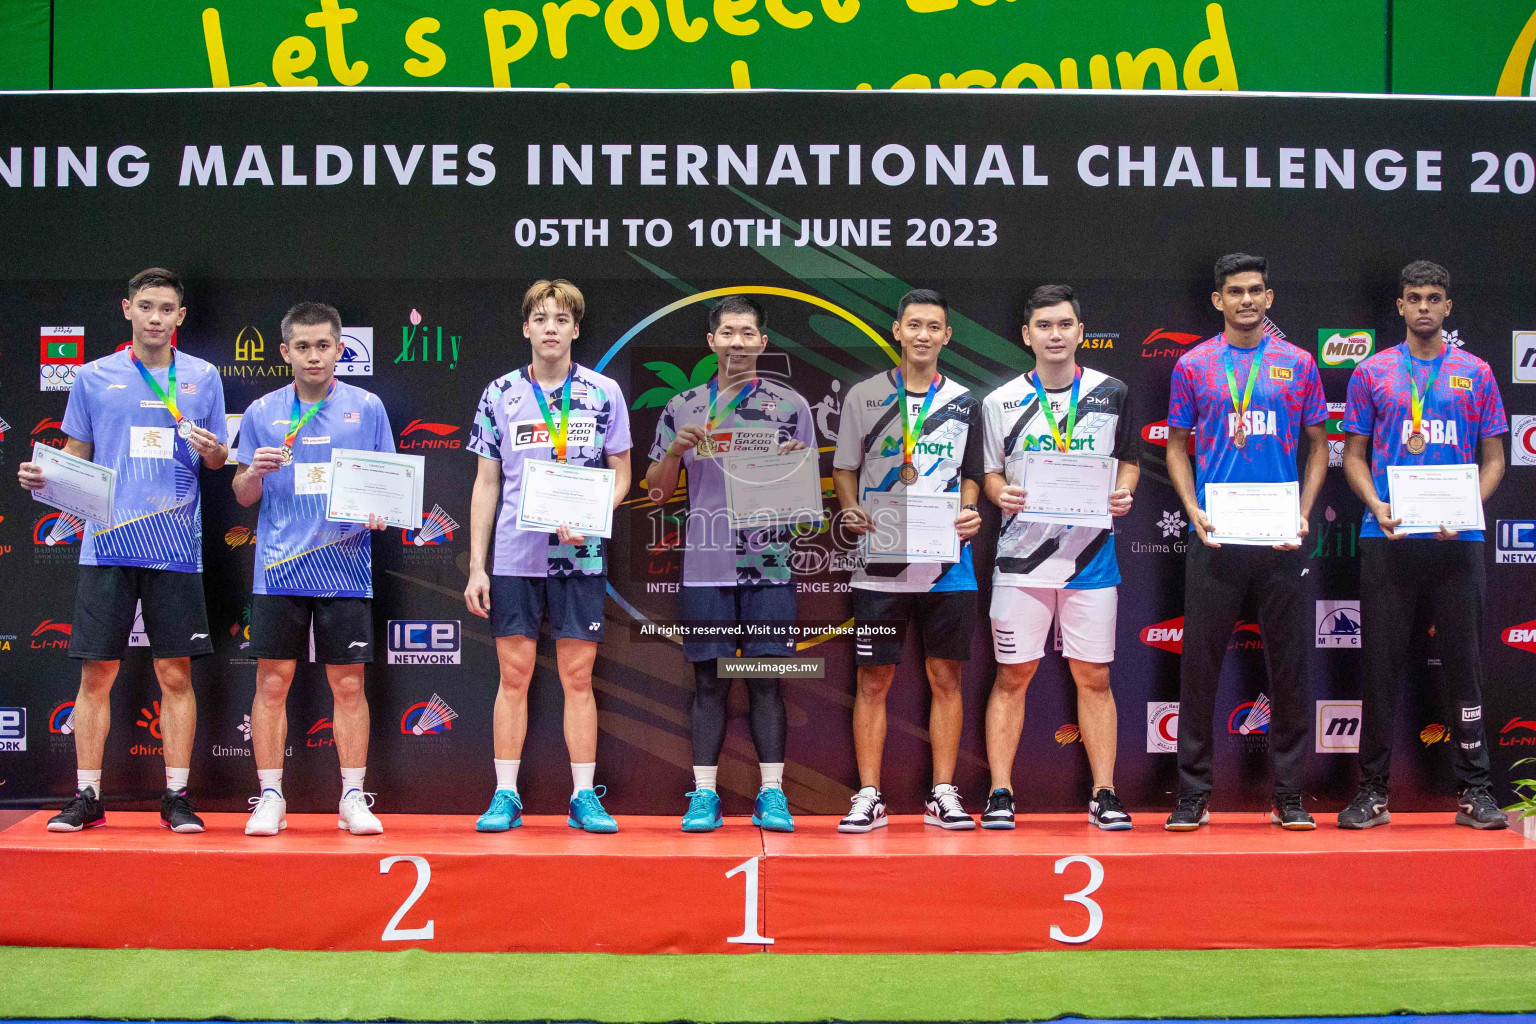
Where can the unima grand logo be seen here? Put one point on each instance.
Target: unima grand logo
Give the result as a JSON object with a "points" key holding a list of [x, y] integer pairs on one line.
{"points": [[419, 434], [1166, 344]]}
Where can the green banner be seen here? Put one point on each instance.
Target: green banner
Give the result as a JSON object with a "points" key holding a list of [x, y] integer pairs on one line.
{"points": [[1317, 45], [1436, 53], [24, 27]]}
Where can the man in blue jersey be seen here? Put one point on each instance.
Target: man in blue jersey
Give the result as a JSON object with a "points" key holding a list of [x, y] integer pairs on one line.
{"points": [[309, 570], [731, 575], [550, 409], [1421, 403], [912, 430], [156, 416], [1047, 571], [1247, 396]]}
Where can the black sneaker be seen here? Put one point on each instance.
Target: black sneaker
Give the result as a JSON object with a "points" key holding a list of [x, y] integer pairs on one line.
{"points": [[999, 812], [1189, 813], [1477, 810], [866, 814], [1106, 811], [1367, 810], [176, 812], [1289, 814], [945, 810], [84, 810]]}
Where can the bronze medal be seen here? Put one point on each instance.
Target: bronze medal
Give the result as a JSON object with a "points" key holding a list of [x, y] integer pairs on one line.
{"points": [[1240, 438], [1416, 443], [907, 474]]}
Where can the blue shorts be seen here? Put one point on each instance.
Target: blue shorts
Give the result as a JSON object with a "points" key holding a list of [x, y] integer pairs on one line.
{"points": [[574, 603], [761, 603]]}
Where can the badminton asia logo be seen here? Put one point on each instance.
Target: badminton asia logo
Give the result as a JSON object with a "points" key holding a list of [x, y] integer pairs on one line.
{"points": [[237, 537], [427, 718], [437, 528], [1434, 733], [1069, 734], [419, 434]]}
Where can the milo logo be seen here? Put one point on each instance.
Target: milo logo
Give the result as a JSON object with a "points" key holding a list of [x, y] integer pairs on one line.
{"points": [[1344, 347]]}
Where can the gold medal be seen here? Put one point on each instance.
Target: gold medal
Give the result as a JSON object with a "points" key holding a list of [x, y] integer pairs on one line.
{"points": [[907, 474], [706, 447], [1416, 443], [1240, 438]]}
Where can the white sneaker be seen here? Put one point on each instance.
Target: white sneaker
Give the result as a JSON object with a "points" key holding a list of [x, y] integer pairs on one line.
{"points": [[269, 815], [355, 816]]}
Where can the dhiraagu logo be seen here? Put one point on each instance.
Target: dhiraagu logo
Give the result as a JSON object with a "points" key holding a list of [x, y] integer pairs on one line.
{"points": [[1344, 346], [891, 447], [1518, 78]]}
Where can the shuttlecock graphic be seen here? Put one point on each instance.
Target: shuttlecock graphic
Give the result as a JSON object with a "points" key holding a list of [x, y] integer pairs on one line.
{"points": [[64, 526], [436, 524], [436, 713], [1258, 716]]}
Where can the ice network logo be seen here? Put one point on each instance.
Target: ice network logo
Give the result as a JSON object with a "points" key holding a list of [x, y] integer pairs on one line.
{"points": [[1172, 524]]}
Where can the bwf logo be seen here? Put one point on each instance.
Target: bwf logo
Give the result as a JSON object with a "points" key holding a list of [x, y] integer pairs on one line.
{"points": [[1338, 726], [423, 642]]}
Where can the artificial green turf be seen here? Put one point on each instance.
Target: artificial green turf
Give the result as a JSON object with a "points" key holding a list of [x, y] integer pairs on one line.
{"points": [[417, 985]]}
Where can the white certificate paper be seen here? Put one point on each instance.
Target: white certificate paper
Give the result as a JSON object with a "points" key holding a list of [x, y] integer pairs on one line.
{"points": [[770, 490], [911, 527], [382, 483], [1068, 490], [558, 493], [74, 485], [1253, 514], [1426, 498]]}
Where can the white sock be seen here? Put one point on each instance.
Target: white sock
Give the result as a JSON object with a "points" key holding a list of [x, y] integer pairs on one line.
{"points": [[85, 779], [352, 780], [506, 773], [704, 776], [581, 776], [270, 779], [176, 778], [773, 774], [871, 790]]}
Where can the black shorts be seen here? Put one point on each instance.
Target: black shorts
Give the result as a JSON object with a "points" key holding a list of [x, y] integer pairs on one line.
{"points": [[175, 617], [574, 604], [343, 628], [946, 620], [763, 603]]}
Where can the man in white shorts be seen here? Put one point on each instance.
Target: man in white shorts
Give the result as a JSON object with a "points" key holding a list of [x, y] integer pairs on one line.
{"points": [[1048, 571]]}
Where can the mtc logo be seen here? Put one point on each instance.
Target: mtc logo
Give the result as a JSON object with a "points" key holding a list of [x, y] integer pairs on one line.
{"points": [[423, 642]]}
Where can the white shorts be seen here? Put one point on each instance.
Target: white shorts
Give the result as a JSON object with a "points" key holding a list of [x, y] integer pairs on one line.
{"points": [[1021, 621]]}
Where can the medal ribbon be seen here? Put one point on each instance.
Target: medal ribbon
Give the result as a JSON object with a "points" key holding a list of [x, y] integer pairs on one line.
{"points": [[1241, 405], [1413, 382], [1063, 443], [297, 421], [910, 431], [557, 434], [169, 398], [714, 390]]}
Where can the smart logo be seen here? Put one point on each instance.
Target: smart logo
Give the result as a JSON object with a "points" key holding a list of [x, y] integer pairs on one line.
{"points": [[1516, 542], [1338, 624], [423, 642], [13, 730], [1344, 346]]}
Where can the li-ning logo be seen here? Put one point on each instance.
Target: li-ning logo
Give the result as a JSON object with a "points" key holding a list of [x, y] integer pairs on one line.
{"points": [[1508, 737], [44, 640], [439, 438], [1166, 344]]}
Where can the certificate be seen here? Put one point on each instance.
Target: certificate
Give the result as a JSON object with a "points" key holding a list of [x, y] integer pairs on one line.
{"points": [[559, 494], [74, 485], [770, 490], [909, 527], [378, 483], [1068, 490], [1426, 498], [1254, 514]]}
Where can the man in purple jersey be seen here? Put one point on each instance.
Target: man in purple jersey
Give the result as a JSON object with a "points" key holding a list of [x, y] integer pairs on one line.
{"points": [[311, 572], [1247, 396], [547, 410], [155, 415], [1422, 403]]}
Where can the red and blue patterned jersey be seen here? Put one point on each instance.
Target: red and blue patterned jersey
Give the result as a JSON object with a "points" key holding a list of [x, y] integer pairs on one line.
{"points": [[1287, 395], [1462, 407]]}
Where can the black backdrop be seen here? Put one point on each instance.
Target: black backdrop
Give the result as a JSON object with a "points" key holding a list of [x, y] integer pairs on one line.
{"points": [[451, 253]]}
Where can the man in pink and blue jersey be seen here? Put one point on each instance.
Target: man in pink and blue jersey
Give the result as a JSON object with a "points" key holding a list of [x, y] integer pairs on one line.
{"points": [[549, 409], [1248, 397], [1422, 403], [310, 571], [155, 415]]}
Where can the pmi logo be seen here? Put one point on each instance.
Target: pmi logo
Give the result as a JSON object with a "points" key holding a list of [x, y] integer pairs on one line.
{"points": [[432, 435], [51, 636]]}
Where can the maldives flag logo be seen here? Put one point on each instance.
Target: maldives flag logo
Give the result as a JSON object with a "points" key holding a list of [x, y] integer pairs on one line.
{"points": [[1522, 636]]}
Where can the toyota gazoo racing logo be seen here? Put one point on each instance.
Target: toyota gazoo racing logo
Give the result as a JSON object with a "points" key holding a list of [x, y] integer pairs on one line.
{"points": [[1165, 344], [580, 433], [1522, 636], [1157, 433], [421, 434]]}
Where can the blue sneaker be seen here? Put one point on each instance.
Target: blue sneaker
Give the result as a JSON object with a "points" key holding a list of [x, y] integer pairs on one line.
{"points": [[703, 811], [506, 811], [772, 811], [587, 812]]}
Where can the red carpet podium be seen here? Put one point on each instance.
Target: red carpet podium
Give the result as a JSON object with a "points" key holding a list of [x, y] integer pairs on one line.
{"points": [[1054, 883]]}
